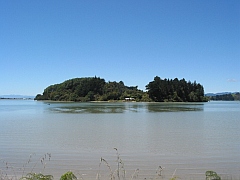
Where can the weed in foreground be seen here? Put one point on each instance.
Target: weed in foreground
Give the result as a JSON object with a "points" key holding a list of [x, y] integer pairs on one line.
{"points": [[211, 175], [42, 160], [35, 176], [120, 172], [8, 172], [4, 175], [68, 176]]}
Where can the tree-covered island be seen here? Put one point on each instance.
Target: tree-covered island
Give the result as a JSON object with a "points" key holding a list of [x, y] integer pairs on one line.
{"points": [[97, 89]]}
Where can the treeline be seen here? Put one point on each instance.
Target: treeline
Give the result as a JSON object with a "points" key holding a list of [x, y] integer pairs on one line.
{"points": [[175, 90], [97, 89], [226, 97], [91, 89]]}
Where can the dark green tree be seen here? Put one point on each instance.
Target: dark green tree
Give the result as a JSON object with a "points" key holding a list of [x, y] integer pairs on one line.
{"points": [[175, 90]]}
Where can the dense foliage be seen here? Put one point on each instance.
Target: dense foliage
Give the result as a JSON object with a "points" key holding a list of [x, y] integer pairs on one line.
{"points": [[91, 89], [35, 176], [68, 176], [212, 175], [175, 90], [97, 89]]}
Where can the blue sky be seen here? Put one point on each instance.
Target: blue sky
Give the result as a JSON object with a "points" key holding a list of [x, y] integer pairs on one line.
{"points": [[47, 42]]}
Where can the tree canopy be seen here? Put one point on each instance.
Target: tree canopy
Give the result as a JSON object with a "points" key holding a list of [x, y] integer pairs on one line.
{"points": [[91, 89], [175, 90], [97, 89]]}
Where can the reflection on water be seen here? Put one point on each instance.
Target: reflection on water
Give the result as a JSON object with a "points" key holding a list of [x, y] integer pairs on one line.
{"points": [[175, 107], [123, 107]]}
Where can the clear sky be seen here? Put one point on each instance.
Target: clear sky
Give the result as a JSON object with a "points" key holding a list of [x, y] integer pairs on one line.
{"points": [[44, 42]]}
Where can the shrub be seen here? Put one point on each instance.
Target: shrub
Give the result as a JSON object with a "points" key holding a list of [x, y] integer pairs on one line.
{"points": [[68, 176], [35, 176], [211, 175]]}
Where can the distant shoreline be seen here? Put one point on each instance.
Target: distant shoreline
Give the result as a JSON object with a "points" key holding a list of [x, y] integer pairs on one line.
{"points": [[2, 98]]}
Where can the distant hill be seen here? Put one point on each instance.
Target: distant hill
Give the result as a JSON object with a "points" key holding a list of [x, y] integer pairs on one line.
{"points": [[220, 93], [224, 96], [14, 96]]}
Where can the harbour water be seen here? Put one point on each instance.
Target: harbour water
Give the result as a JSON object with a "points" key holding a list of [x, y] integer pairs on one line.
{"points": [[185, 139]]}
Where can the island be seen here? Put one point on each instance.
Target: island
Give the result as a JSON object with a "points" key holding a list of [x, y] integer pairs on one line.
{"points": [[97, 89]]}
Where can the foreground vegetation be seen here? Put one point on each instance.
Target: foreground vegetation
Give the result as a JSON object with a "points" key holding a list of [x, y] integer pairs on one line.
{"points": [[119, 173], [97, 89], [210, 175]]}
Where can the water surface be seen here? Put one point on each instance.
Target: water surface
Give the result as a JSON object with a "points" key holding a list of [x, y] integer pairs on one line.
{"points": [[185, 138]]}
